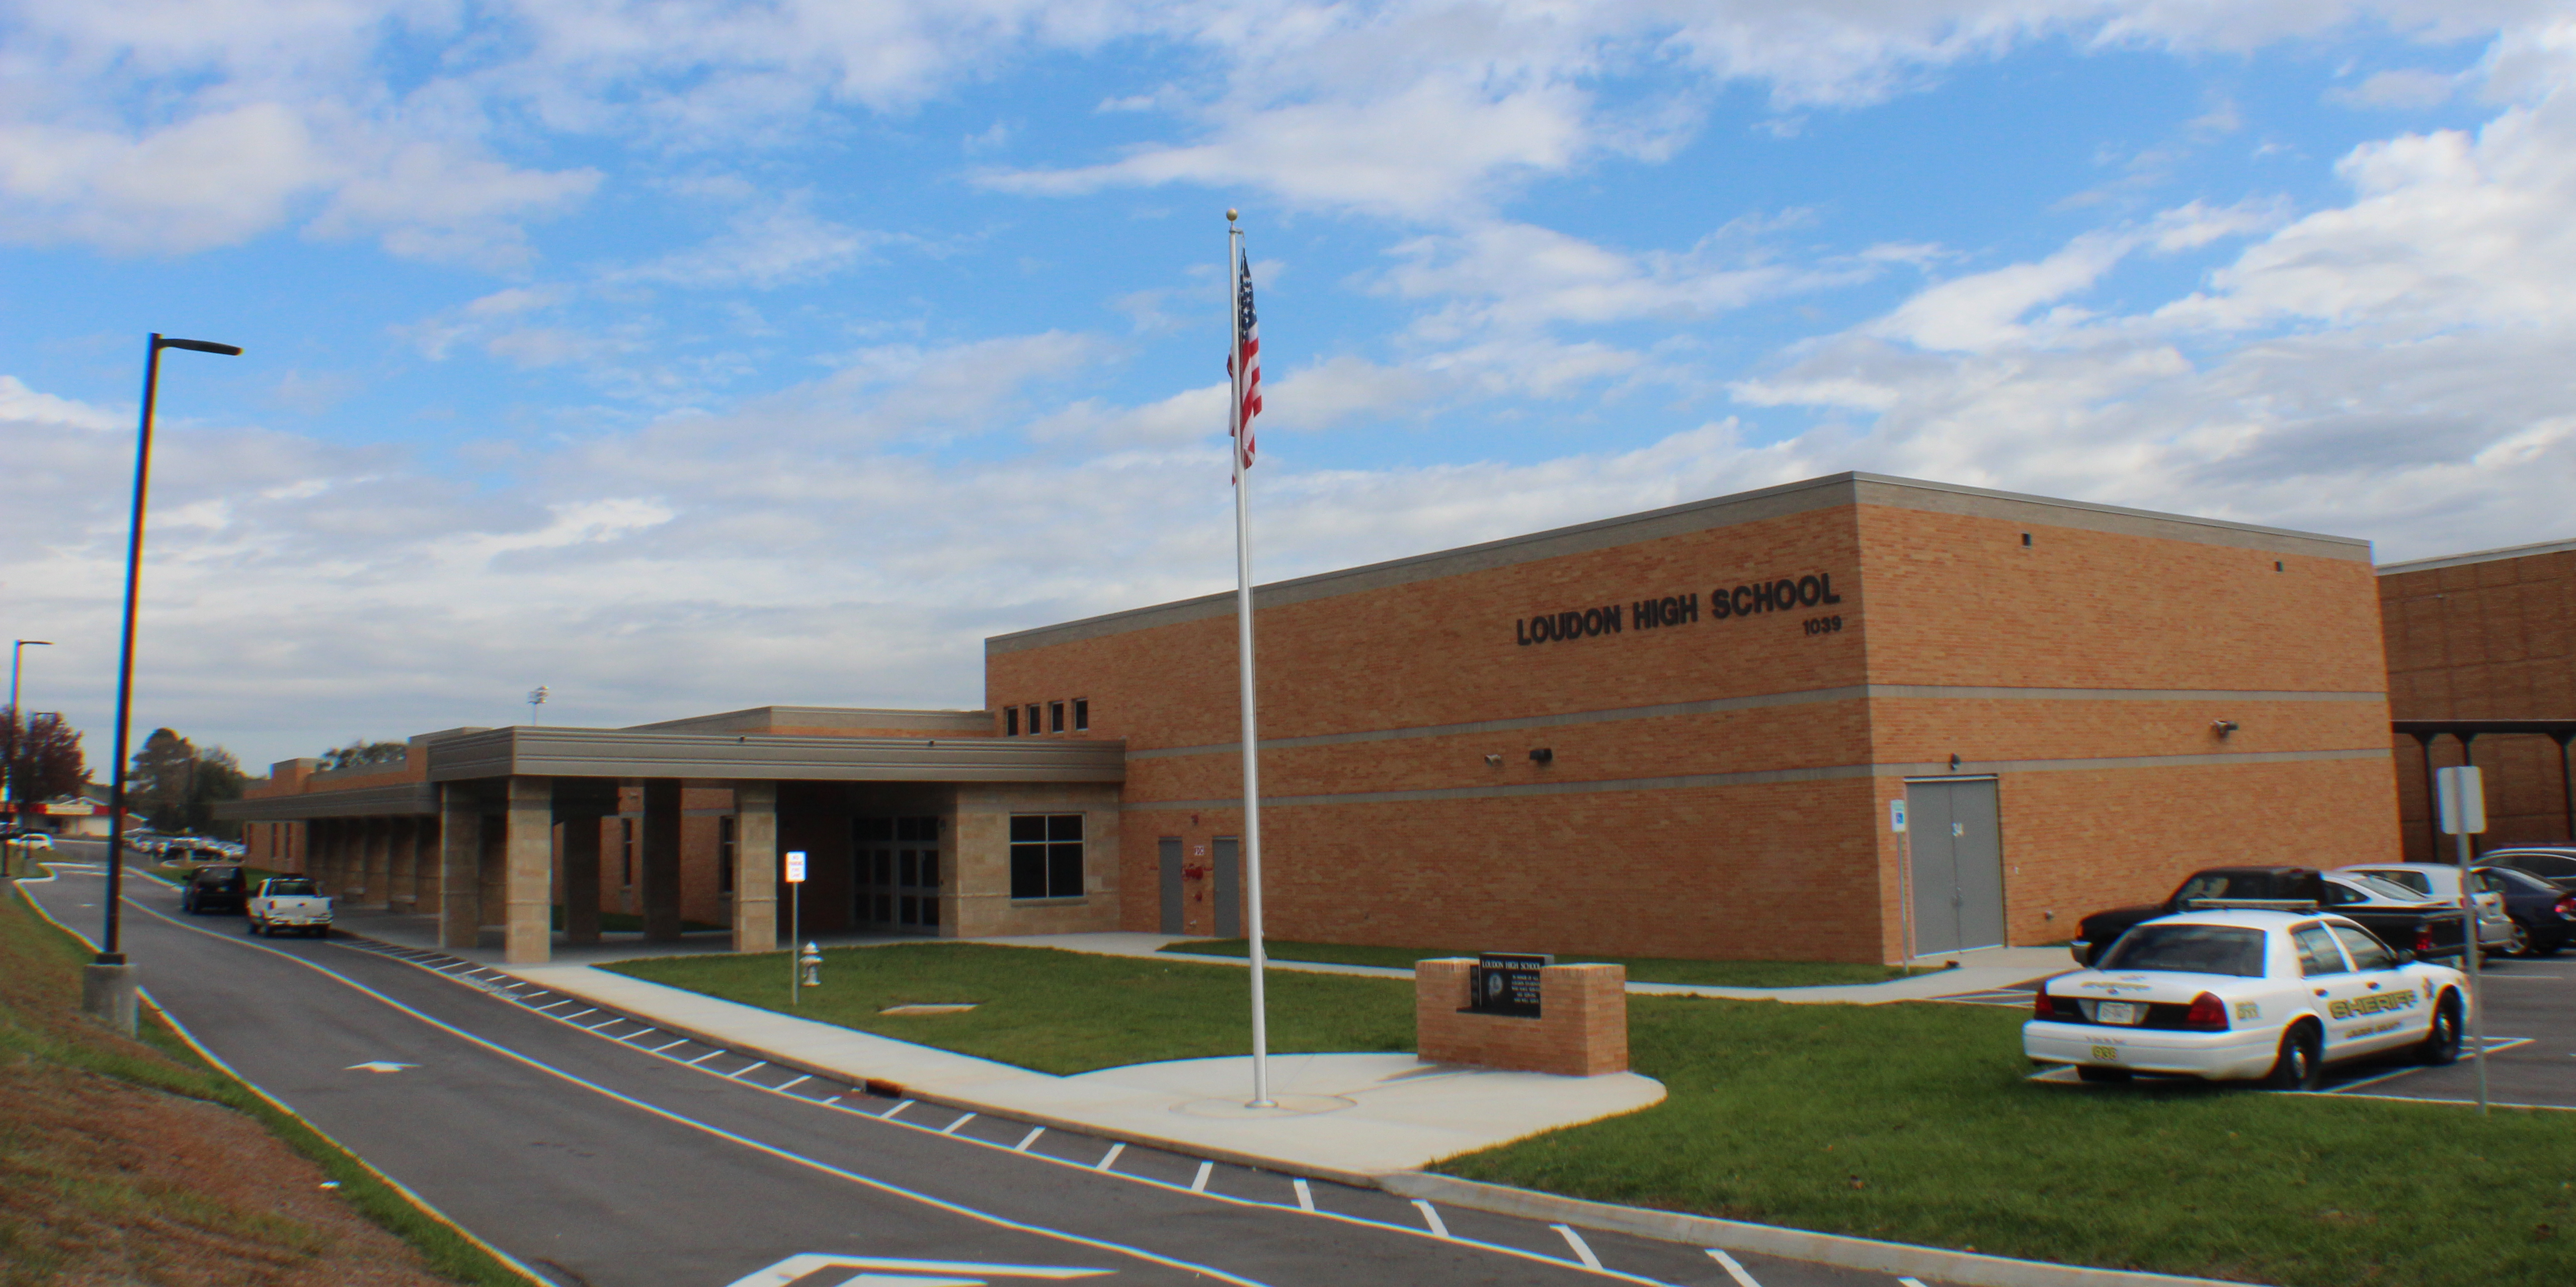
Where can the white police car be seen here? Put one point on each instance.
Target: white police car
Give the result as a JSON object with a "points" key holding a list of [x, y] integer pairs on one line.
{"points": [[2241, 993]]}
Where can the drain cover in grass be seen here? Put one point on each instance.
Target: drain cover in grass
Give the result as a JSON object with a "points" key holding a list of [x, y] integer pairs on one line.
{"points": [[945, 1008]]}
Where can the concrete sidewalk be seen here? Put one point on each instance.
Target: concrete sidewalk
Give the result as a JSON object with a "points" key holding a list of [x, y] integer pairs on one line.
{"points": [[1338, 1116]]}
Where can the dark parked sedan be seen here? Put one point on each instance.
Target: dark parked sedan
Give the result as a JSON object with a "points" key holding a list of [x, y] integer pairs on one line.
{"points": [[214, 889], [2544, 913], [2553, 863]]}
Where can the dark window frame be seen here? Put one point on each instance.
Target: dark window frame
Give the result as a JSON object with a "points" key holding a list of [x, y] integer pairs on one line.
{"points": [[1082, 714], [1055, 717], [726, 838], [1047, 856], [1010, 721]]}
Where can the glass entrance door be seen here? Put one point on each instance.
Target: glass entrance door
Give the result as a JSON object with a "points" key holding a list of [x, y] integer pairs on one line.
{"points": [[896, 881]]}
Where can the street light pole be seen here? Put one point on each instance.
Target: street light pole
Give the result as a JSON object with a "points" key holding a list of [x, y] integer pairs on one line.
{"points": [[17, 732], [107, 986]]}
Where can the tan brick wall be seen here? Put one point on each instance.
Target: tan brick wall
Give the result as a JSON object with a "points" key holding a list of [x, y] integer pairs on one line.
{"points": [[2489, 640], [1506, 857], [1581, 1031]]}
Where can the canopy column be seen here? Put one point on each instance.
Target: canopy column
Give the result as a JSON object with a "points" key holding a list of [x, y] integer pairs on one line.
{"points": [[581, 806], [755, 866], [460, 866], [527, 856], [660, 879]]}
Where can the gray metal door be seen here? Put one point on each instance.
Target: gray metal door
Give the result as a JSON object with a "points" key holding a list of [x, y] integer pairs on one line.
{"points": [[1956, 844], [1229, 887], [1168, 853]]}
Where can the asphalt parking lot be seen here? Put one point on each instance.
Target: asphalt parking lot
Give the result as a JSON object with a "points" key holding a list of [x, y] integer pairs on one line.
{"points": [[2530, 1032]]}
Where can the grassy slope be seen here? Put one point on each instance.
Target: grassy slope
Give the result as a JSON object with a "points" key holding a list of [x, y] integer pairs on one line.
{"points": [[40, 1026], [1917, 1123], [1060, 1012], [1641, 969]]}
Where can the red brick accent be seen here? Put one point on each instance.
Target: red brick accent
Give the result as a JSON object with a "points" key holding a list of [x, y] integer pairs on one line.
{"points": [[1581, 1031]]}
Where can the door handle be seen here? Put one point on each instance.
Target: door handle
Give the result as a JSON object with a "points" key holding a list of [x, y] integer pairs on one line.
{"points": [[2374, 987], [2321, 992]]}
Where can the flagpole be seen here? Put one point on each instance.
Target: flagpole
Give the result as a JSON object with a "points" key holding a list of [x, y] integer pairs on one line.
{"points": [[1243, 655]]}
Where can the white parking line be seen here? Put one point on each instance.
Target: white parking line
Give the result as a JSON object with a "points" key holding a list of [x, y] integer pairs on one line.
{"points": [[633, 1035], [1199, 1184], [1910, 1282], [899, 1106], [1582, 1249], [1431, 1217], [566, 1001], [1305, 1196], [659, 1049], [1736, 1271], [745, 1068], [1109, 1158], [568, 1018], [705, 1057], [798, 1082], [833, 1100], [951, 1128], [1028, 1139]]}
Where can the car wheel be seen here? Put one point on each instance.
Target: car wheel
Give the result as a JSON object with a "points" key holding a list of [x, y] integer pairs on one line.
{"points": [[2520, 943], [2441, 1045], [2090, 1072], [2301, 1063]]}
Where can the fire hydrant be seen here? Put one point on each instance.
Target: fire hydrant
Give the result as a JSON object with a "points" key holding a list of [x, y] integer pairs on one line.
{"points": [[812, 960]]}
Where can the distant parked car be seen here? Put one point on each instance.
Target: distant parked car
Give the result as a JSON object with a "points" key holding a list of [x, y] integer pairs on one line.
{"points": [[2429, 882], [2553, 863], [213, 889], [289, 903], [2544, 914], [2392, 912], [33, 840]]}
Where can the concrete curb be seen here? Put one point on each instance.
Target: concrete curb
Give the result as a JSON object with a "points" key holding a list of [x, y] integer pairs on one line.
{"points": [[1967, 1268]]}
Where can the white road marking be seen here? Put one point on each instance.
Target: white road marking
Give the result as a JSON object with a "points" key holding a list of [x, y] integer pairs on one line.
{"points": [[1305, 1196], [1911, 1282], [705, 1057], [1025, 1141], [566, 1001], [1199, 1183], [568, 1018], [667, 1045], [798, 1268], [899, 1106], [379, 1066], [1431, 1217], [747, 1068], [798, 1082], [1107, 1159], [833, 1100], [633, 1035], [951, 1128], [1582, 1249], [1736, 1271]]}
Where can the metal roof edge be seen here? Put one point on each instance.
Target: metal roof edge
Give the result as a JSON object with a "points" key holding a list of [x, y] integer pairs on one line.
{"points": [[2476, 556]]}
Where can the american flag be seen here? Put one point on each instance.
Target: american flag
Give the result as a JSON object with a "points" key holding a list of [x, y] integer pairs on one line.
{"points": [[1244, 363]]}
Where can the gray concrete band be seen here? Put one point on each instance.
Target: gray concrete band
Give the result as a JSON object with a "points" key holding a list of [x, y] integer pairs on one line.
{"points": [[1967, 1268]]}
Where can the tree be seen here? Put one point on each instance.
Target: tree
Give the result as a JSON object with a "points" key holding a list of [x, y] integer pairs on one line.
{"points": [[360, 753], [176, 787], [42, 757]]}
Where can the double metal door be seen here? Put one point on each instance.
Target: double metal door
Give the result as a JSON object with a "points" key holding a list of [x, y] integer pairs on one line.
{"points": [[897, 874], [1956, 840]]}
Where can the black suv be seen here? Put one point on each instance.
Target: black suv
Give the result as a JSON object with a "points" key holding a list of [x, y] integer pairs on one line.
{"points": [[214, 889]]}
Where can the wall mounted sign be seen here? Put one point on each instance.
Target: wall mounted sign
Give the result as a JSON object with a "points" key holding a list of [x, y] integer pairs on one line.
{"points": [[1782, 594], [1506, 983]]}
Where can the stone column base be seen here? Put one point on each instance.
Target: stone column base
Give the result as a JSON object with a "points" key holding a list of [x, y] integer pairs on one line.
{"points": [[107, 995]]}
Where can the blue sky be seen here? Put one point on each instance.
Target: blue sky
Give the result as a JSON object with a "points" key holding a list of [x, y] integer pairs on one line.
{"points": [[688, 358]]}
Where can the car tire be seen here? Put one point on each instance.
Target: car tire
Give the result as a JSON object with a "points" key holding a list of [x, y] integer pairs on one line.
{"points": [[2521, 942], [2441, 1045], [2301, 1064], [2096, 1073]]}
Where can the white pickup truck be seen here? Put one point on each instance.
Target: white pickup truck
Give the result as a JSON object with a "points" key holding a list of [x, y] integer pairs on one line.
{"points": [[289, 903]]}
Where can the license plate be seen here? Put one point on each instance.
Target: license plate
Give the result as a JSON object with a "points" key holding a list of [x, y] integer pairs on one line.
{"points": [[2118, 1012]]}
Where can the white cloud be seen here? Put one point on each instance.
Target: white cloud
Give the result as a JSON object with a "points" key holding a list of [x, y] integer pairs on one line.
{"points": [[2405, 88], [769, 248]]}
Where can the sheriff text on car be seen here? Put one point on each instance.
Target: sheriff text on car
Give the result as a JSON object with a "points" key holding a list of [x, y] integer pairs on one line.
{"points": [[2246, 994]]}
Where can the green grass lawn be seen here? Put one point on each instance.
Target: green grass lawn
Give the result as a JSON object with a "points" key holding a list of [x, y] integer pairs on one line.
{"points": [[1641, 969], [1059, 1012], [1916, 1122]]}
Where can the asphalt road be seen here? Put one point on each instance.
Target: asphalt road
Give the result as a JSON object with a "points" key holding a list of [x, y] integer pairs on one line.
{"points": [[605, 1154]]}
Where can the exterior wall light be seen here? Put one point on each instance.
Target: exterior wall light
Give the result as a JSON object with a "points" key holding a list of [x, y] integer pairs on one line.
{"points": [[1493, 761], [1542, 755], [2223, 727]]}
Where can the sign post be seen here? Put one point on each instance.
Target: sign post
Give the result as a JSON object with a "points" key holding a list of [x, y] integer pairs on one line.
{"points": [[795, 912], [2462, 799], [1904, 876]]}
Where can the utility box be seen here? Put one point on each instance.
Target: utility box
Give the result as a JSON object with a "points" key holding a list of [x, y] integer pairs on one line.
{"points": [[1580, 1028]]}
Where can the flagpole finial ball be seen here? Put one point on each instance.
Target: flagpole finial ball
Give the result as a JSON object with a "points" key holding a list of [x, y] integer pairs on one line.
{"points": [[1230, 216]]}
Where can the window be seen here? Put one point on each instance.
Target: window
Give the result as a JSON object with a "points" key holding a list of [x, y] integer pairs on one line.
{"points": [[1081, 714], [626, 848], [1055, 717], [2414, 880], [2191, 949], [1033, 719], [2367, 953], [1046, 855], [1011, 722], [2317, 954], [724, 855]]}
